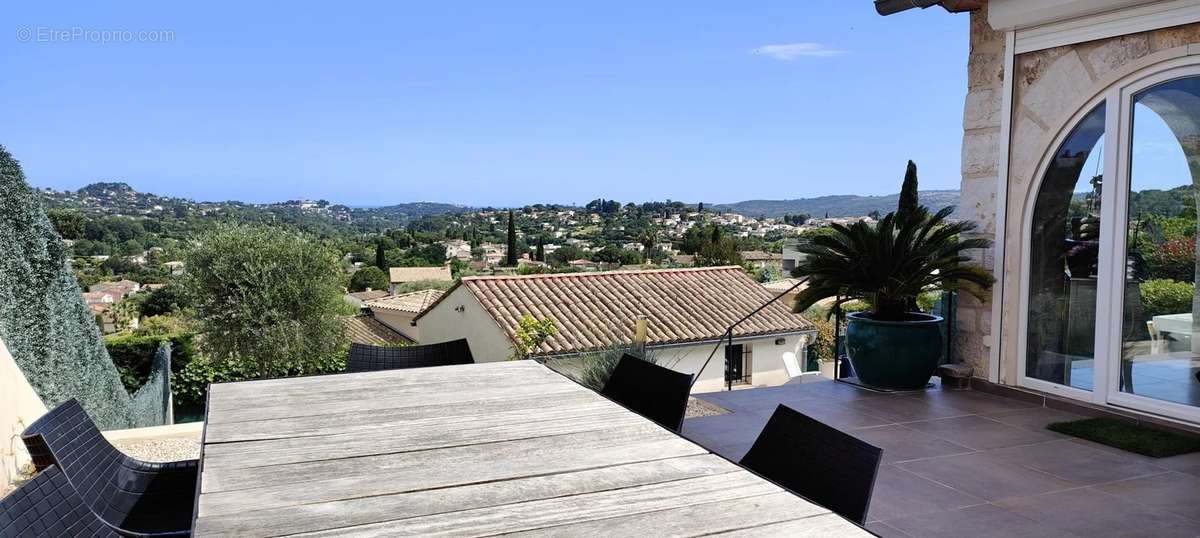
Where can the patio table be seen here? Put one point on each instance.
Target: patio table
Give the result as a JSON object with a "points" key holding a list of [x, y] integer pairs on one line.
{"points": [[470, 450]]}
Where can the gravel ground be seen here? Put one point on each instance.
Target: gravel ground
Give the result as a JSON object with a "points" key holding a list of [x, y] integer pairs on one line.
{"points": [[169, 449], [700, 408]]}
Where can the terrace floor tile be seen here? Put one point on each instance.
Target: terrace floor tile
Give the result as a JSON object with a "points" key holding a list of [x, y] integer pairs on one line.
{"points": [[1091, 512], [980, 433], [987, 477], [901, 443]]}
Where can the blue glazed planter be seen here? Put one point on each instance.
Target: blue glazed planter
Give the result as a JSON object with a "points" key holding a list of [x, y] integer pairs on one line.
{"points": [[897, 355]]}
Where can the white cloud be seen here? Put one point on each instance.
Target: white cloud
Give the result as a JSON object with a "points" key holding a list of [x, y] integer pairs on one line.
{"points": [[791, 51]]}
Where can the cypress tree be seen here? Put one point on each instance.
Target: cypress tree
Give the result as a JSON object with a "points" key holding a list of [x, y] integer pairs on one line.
{"points": [[908, 205], [512, 241], [540, 253], [380, 259]]}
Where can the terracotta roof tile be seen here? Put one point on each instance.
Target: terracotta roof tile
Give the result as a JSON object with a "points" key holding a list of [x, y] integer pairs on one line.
{"points": [[368, 330], [414, 274], [596, 310], [415, 302]]}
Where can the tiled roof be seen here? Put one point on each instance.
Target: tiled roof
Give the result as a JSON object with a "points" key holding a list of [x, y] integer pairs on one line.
{"points": [[414, 274], [415, 302], [368, 330], [759, 256], [369, 295], [780, 286], [597, 310]]}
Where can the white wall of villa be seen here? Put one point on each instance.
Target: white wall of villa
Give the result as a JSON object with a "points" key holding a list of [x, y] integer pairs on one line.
{"points": [[460, 315], [19, 406], [398, 321]]}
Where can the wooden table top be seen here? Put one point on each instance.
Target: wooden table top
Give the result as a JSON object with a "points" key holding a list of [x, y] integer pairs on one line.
{"points": [[472, 450]]}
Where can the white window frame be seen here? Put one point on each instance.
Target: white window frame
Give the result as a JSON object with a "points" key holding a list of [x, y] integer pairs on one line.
{"points": [[1116, 204], [1110, 290]]}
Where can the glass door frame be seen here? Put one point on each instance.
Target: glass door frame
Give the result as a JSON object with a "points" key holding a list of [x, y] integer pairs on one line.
{"points": [[1096, 394], [1110, 293], [1114, 209]]}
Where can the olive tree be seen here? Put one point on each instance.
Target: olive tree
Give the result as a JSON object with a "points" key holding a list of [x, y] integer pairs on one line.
{"points": [[265, 296]]}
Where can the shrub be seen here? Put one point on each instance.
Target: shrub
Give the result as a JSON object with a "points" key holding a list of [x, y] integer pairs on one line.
{"points": [[1174, 259], [598, 366], [265, 295], [190, 385], [133, 355], [1164, 296], [368, 277], [822, 348]]}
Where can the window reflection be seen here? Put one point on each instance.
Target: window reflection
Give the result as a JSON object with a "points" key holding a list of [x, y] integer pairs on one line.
{"points": [[1159, 351], [1064, 251]]}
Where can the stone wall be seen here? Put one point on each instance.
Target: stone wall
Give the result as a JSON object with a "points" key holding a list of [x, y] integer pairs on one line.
{"points": [[980, 172], [1049, 88]]}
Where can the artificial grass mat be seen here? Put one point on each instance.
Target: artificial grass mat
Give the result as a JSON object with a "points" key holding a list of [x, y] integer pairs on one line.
{"points": [[1130, 437]]}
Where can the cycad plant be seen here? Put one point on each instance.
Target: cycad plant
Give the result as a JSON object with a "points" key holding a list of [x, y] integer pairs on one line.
{"points": [[888, 264]]}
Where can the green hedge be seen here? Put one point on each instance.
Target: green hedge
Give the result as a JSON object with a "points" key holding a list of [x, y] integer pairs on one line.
{"points": [[134, 355], [1165, 296], [44, 322]]}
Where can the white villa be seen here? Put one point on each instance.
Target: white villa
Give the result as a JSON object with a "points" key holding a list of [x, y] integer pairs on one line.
{"points": [[686, 312]]}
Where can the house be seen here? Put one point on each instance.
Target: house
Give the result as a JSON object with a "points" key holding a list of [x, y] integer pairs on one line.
{"points": [[686, 312], [397, 311], [791, 256], [457, 248], [1061, 96], [762, 260], [358, 298], [406, 275], [365, 329], [585, 265], [683, 260], [782, 287], [119, 289]]}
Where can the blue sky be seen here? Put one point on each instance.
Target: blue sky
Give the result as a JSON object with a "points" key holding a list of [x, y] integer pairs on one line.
{"points": [[484, 103]]}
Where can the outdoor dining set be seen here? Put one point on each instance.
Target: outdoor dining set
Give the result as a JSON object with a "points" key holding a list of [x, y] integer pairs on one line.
{"points": [[818, 477]]}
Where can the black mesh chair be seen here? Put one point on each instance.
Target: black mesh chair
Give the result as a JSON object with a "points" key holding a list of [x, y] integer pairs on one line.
{"points": [[48, 507], [365, 358], [153, 499], [816, 461], [657, 393]]}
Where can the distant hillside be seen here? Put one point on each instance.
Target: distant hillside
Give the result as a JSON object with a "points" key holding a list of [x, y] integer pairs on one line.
{"points": [[418, 209], [842, 205], [115, 198]]}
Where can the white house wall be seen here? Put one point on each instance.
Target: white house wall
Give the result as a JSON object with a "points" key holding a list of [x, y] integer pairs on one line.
{"points": [[19, 406], [443, 323], [400, 322], [767, 368]]}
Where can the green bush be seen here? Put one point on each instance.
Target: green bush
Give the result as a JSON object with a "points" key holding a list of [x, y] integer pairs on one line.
{"points": [[597, 366], [1174, 259], [190, 384], [134, 355], [823, 347], [1163, 296], [368, 277], [265, 294]]}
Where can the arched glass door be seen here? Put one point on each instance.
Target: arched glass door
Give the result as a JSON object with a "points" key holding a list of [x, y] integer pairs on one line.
{"points": [[1112, 311], [1157, 362], [1064, 247]]}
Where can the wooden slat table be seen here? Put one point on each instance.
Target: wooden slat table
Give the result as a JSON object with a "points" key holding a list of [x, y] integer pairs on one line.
{"points": [[474, 450]]}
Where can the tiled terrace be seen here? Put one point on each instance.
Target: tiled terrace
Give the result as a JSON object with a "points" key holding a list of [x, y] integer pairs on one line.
{"points": [[974, 464]]}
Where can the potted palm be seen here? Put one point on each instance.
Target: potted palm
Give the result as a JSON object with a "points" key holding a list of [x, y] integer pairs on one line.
{"points": [[887, 265]]}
